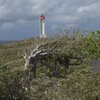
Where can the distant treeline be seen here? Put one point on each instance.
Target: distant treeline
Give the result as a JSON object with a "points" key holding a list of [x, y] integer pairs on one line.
{"points": [[6, 41]]}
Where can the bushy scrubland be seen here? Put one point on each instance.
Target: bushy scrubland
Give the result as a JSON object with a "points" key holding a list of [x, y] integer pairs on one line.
{"points": [[79, 82]]}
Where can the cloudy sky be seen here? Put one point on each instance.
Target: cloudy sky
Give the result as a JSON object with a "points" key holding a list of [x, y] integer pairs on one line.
{"points": [[19, 19]]}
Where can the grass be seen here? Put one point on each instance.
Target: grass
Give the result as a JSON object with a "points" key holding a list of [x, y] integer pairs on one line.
{"points": [[80, 82]]}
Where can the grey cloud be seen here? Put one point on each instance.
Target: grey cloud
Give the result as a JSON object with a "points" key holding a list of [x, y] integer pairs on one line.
{"points": [[59, 13]]}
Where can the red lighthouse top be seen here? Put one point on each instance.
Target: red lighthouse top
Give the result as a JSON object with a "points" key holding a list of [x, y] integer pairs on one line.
{"points": [[42, 17]]}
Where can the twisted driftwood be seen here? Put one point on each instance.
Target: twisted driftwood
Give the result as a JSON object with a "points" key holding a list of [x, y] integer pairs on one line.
{"points": [[36, 55]]}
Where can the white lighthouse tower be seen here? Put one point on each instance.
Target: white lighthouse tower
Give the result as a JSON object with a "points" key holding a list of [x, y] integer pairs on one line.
{"points": [[42, 27]]}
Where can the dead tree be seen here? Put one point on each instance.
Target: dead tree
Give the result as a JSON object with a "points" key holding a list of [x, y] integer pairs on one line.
{"points": [[41, 55], [36, 56]]}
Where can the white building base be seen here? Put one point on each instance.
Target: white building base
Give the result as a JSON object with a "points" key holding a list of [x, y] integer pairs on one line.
{"points": [[43, 36]]}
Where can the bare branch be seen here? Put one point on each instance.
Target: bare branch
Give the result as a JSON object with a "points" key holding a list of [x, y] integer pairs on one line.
{"points": [[37, 48], [40, 51], [25, 56]]}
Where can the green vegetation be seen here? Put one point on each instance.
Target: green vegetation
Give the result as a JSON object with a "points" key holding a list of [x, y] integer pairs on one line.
{"points": [[79, 82]]}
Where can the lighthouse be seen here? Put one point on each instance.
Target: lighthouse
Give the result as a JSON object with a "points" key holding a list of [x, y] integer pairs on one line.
{"points": [[42, 27]]}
